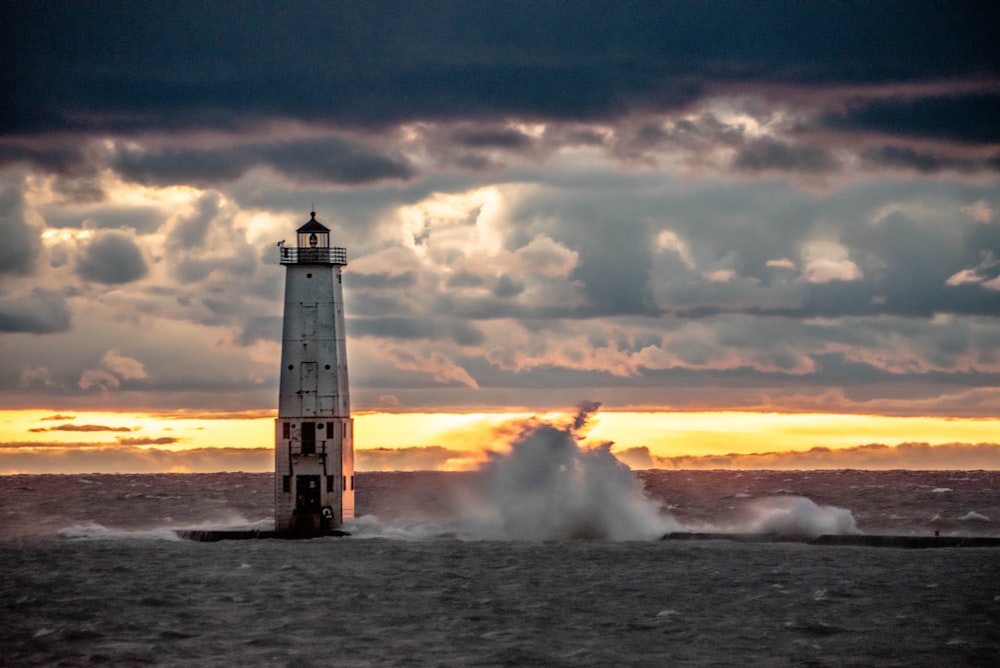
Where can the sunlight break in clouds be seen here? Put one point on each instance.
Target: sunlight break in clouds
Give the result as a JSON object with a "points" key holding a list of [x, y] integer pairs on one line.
{"points": [[410, 441]]}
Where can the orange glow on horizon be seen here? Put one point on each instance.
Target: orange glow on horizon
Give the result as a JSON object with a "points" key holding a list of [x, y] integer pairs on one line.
{"points": [[665, 434]]}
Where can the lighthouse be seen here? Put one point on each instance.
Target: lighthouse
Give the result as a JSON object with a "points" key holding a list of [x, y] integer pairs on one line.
{"points": [[314, 433]]}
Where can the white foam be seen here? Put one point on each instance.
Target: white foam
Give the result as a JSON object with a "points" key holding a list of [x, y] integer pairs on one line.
{"points": [[544, 486], [370, 526], [941, 490], [95, 531], [973, 516], [547, 487], [797, 516]]}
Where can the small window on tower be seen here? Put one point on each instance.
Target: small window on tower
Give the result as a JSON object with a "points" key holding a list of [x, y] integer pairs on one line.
{"points": [[352, 482], [286, 430], [345, 484], [286, 484], [329, 430], [338, 278], [329, 483]]}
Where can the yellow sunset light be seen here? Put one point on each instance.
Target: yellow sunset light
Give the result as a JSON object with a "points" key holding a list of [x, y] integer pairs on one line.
{"points": [[665, 434]]}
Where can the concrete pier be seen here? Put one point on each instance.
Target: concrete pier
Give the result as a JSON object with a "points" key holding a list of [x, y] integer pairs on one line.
{"points": [[861, 540], [216, 535]]}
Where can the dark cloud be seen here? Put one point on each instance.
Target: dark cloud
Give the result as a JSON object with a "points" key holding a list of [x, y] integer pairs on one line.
{"points": [[336, 161], [190, 231], [381, 281], [60, 159], [465, 279], [143, 219], [459, 331], [614, 267], [646, 226], [770, 154], [960, 118], [111, 257], [239, 265], [327, 160], [693, 137], [505, 138], [507, 286], [100, 67], [39, 312], [146, 440], [260, 328], [19, 241], [82, 427], [924, 161]]}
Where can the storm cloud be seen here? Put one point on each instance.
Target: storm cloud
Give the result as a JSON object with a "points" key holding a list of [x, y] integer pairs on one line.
{"points": [[111, 257], [329, 160], [761, 206], [39, 312], [385, 64]]}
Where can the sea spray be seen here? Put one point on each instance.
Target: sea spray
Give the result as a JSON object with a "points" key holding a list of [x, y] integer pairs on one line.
{"points": [[548, 487], [799, 517], [539, 483]]}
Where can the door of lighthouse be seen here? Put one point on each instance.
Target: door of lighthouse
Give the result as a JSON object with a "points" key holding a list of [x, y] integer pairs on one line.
{"points": [[307, 494]]}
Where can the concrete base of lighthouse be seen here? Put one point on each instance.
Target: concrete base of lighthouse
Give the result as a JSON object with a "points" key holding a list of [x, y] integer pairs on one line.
{"points": [[216, 535], [313, 474]]}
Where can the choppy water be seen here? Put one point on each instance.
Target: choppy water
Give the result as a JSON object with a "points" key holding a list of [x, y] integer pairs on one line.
{"points": [[90, 573]]}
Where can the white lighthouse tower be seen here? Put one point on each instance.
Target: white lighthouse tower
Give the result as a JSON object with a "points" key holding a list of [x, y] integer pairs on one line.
{"points": [[314, 434]]}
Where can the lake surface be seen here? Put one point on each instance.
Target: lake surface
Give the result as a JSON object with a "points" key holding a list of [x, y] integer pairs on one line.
{"points": [[91, 572]]}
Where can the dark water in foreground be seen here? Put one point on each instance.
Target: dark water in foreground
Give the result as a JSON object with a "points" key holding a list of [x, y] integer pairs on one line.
{"points": [[90, 574]]}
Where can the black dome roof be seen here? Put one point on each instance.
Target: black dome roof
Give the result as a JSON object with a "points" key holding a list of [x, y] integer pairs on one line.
{"points": [[313, 226]]}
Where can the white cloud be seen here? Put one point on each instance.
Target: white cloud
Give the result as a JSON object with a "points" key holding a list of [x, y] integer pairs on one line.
{"points": [[38, 376], [964, 276], [544, 257], [114, 368], [100, 379], [126, 368], [979, 211], [719, 276], [781, 263], [825, 261], [669, 240], [975, 275], [441, 367]]}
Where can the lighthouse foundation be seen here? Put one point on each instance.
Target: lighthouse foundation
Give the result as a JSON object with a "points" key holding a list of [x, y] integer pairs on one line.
{"points": [[313, 474]]}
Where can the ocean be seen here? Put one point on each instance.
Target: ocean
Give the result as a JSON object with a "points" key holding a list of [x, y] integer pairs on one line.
{"points": [[472, 569]]}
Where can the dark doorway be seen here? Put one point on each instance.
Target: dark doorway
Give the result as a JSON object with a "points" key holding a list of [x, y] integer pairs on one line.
{"points": [[307, 494]]}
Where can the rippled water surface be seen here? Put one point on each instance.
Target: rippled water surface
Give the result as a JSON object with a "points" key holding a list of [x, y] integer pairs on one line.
{"points": [[105, 582]]}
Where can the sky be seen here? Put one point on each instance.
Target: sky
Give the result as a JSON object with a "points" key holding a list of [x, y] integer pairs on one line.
{"points": [[757, 233]]}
